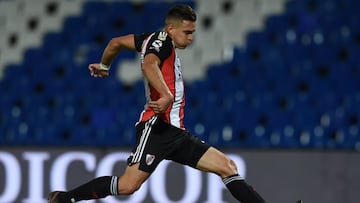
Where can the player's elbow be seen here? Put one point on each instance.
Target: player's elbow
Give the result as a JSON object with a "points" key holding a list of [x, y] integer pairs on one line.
{"points": [[122, 42], [114, 44], [129, 189]]}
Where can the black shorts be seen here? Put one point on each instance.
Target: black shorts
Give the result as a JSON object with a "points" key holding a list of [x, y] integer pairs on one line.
{"points": [[157, 140]]}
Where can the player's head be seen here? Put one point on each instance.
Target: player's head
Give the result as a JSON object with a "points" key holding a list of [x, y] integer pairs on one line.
{"points": [[180, 25]]}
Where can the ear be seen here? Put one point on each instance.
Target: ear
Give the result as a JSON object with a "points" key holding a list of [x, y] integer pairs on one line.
{"points": [[171, 28]]}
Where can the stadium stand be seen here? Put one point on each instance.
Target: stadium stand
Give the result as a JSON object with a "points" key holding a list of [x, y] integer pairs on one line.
{"points": [[290, 82]]}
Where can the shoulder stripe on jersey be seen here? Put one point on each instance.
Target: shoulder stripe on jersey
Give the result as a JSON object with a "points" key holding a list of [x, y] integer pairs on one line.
{"points": [[143, 50]]}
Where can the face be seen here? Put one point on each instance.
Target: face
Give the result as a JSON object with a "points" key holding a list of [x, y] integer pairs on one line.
{"points": [[182, 33]]}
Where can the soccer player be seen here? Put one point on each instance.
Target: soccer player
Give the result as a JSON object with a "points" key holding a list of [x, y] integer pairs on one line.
{"points": [[160, 131]]}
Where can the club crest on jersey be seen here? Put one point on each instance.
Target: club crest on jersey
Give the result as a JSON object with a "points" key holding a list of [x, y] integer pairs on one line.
{"points": [[162, 36], [149, 159]]}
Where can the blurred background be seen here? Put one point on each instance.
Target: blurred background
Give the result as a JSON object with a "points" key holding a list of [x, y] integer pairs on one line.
{"points": [[264, 78]]}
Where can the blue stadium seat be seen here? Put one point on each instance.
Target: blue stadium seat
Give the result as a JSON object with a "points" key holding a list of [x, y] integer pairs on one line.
{"points": [[276, 23], [298, 71]]}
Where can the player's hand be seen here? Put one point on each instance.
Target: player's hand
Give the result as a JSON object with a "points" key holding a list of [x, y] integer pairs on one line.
{"points": [[160, 105], [96, 71]]}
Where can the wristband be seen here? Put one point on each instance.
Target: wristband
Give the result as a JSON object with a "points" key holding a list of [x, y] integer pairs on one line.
{"points": [[104, 67]]}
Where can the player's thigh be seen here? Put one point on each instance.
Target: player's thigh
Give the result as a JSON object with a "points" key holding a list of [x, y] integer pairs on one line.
{"points": [[132, 179], [216, 162]]}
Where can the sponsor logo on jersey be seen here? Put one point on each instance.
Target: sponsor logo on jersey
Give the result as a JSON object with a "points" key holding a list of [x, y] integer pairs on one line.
{"points": [[149, 159], [157, 44]]}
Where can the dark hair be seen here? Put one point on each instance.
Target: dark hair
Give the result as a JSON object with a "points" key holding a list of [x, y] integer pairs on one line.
{"points": [[181, 12]]}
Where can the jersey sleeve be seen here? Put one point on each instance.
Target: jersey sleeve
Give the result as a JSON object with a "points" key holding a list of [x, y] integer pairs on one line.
{"points": [[139, 39], [161, 45]]}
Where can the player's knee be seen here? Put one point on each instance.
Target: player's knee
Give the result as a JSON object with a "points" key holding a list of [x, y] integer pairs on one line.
{"points": [[129, 188], [232, 165], [228, 168]]}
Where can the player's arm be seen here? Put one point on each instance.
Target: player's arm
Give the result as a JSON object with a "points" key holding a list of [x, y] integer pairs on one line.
{"points": [[126, 42], [151, 70]]}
